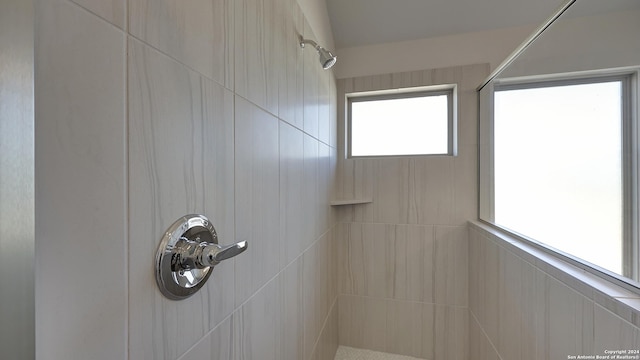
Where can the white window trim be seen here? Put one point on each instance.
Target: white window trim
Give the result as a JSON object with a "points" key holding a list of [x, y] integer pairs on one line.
{"points": [[434, 90], [631, 166]]}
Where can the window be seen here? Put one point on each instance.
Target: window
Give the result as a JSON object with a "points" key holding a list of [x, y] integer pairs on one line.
{"points": [[403, 122], [563, 169]]}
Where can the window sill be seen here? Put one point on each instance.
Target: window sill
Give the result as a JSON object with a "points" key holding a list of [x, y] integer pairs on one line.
{"points": [[616, 298]]}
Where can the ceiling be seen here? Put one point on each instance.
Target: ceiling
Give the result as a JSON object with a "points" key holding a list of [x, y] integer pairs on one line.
{"points": [[367, 22]]}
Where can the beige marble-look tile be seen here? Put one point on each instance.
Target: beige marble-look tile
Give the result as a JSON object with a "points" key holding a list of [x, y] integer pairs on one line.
{"points": [[316, 280], [413, 263], [475, 278], [257, 195], [531, 325], [367, 260], [173, 111], [218, 194], [405, 329], [480, 348], [465, 177], [198, 33], [311, 79], [355, 180], [112, 11], [328, 341], [570, 318], [362, 322], [310, 185], [451, 265], [81, 188], [449, 329], [510, 302], [323, 213], [333, 125], [413, 191], [612, 333], [333, 180], [489, 293], [405, 262], [292, 311], [324, 106], [216, 345], [258, 53], [291, 81], [256, 324], [292, 223], [426, 331]]}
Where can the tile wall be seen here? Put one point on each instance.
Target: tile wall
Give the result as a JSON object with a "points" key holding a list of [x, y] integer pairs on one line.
{"points": [[523, 308], [403, 258], [148, 110]]}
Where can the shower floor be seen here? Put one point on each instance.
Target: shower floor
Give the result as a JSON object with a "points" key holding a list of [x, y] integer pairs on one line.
{"points": [[349, 353]]}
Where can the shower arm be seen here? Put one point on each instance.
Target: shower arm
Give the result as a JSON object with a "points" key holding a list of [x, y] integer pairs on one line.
{"points": [[304, 41]]}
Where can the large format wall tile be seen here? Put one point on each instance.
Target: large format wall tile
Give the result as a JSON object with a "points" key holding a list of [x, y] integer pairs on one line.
{"points": [[259, 55], [327, 344], [480, 348], [528, 314], [318, 281], [198, 33], [311, 80], [426, 331], [178, 123], [404, 262], [256, 324], [293, 311], [257, 197], [216, 345], [80, 183], [323, 212], [324, 106], [290, 83], [311, 199], [292, 188]]}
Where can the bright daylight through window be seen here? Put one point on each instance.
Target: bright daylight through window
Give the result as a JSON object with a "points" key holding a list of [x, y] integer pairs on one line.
{"points": [[401, 123], [559, 166]]}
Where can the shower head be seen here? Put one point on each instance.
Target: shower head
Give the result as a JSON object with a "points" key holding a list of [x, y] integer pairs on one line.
{"points": [[327, 59]]}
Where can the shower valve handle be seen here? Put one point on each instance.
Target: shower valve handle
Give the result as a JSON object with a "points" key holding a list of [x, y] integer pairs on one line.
{"points": [[213, 254], [187, 254]]}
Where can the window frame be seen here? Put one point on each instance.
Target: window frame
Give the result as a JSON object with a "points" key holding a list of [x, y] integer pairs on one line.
{"points": [[630, 158], [450, 90]]}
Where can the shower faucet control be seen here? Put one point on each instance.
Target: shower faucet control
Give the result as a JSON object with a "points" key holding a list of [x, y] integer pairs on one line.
{"points": [[187, 254]]}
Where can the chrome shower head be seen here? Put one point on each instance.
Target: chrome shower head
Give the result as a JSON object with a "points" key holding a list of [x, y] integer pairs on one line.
{"points": [[327, 59]]}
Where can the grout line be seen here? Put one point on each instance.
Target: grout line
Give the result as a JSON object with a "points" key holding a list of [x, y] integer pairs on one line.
{"points": [[79, 6], [406, 301], [473, 315], [127, 192], [324, 325], [142, 41]]}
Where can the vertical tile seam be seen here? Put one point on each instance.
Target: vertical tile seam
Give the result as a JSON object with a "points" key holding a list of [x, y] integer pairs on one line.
{"points": [[127, 179]]}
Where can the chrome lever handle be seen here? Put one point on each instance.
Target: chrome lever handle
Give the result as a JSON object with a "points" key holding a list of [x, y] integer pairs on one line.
{"points": [[213, 254], [187, 254]]}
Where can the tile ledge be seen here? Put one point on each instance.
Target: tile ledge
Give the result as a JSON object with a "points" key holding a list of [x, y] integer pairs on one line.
{"points": [[350, 202], [603, 292]]}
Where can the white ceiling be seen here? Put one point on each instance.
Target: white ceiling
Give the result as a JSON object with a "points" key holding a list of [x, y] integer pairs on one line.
{"points": [[367, 22]]}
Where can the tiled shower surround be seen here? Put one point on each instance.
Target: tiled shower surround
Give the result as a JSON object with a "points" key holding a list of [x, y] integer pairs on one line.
{"points": [[147, 110], [403, 258]]}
